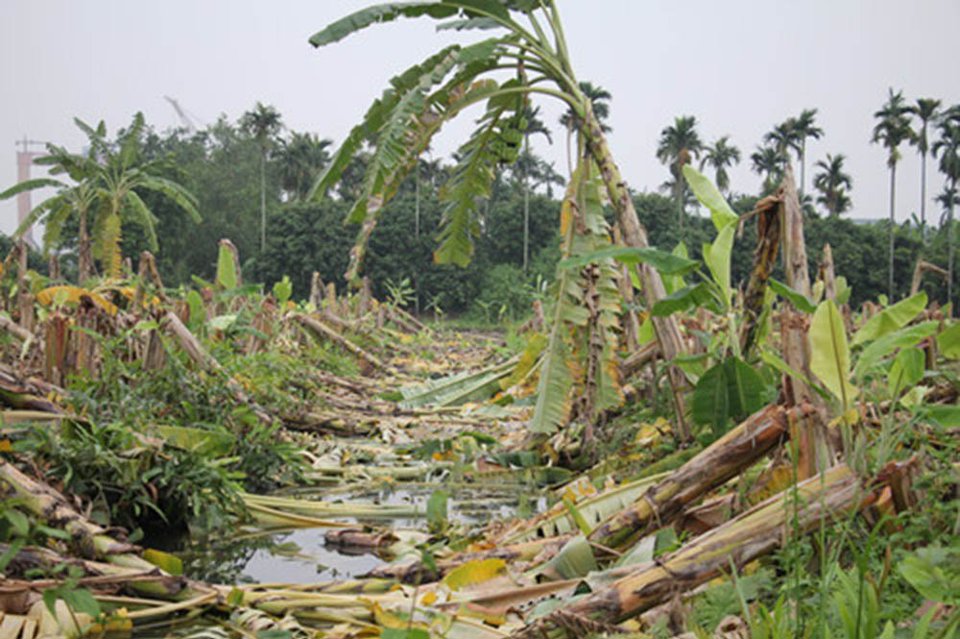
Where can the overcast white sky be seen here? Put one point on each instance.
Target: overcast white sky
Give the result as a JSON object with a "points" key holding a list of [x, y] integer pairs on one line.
{"points": [[739, 66]]}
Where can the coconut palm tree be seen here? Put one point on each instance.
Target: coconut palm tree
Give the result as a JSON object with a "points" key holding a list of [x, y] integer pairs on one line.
{"points": [[108, 183], [947, 148], [892, 130], [804, 127], [768, 162], [926, 109], [679, 144], [263, 123], [720, 155], [833, 183], [302, 158]]}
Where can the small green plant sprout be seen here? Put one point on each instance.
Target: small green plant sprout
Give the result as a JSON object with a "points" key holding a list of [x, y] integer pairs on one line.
{"points": [[400, 293]]}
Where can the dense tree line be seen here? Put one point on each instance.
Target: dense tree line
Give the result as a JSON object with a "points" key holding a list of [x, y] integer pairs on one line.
{"points": [[252, 180]]}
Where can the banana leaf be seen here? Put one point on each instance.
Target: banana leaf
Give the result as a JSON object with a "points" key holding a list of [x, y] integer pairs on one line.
{"points": [[457, 389]]}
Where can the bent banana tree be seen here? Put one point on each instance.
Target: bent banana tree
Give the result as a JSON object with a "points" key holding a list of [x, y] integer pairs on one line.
{"points": [[527, 58]]}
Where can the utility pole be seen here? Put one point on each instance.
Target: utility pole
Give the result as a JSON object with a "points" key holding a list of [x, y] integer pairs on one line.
{"points": [[24, 162]]}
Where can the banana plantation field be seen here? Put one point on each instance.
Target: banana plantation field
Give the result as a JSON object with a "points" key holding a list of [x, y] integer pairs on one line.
{"points": [[658, 451]]}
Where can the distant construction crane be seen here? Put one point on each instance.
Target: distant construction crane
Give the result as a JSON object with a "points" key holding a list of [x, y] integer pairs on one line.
{"points": [[188, 122], [24, 162]]}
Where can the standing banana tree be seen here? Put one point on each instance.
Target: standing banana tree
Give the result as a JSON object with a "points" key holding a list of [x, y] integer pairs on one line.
{"points": [[108, 182], [532, 50], [69, 201]]}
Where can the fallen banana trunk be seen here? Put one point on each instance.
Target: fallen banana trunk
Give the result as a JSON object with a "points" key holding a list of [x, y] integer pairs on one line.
{"points": [[14, 329], [351, 538], [757, 532], [632, 364], [24, 394], [323, 332], [45, 502], [91, 540], [718, 463], [402, 321], [148, 580]]}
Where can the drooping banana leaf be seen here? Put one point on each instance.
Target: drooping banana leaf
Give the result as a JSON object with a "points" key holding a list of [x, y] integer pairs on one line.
{"points": [[574, 560]]}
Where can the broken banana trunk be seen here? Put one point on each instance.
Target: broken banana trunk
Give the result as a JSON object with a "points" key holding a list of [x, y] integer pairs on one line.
{"points": [[764, 261], [757, 532], [196, 352], [323, 332], [721, 461]]}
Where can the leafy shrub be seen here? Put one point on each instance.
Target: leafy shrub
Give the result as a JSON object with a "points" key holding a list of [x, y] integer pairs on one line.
{"points": [[136, 481], [505, 294]]}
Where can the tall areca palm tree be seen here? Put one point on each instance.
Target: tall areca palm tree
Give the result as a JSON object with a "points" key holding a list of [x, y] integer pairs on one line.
{"points": [[302, 158], [892, 130], [783, 138], [926, 109], [108, 183], [720, 155], [768, 162], [833, 183], [805, 127], [263, 123], [534, 126], [679, 144], [947, 148]]}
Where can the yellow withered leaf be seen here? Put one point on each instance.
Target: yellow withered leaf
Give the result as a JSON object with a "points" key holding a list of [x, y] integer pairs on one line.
{"points": [[474, 572], [73, 295]]}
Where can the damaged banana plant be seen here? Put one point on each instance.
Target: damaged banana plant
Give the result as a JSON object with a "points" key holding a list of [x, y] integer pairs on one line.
{"points": [[530, 50], [580, 358]]}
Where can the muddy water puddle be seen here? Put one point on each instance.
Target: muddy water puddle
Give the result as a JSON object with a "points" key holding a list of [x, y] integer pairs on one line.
{"points": [[303, 555]]}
